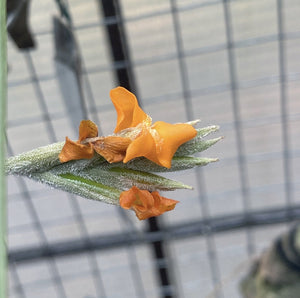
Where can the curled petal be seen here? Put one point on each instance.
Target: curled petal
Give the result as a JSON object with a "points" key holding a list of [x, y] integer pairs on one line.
{"points": [[172, 136], [144, 203], [74, 150], [143, 145], [87, 129], [137, 197], [163, 204], [112, 148], [128, 110]]}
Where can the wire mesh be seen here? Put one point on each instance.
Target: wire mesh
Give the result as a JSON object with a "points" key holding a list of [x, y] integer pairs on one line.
{"points": [[232, 63]]}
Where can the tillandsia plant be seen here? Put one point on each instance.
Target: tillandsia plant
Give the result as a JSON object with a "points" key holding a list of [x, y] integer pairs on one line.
{"points": [[119, 169]]}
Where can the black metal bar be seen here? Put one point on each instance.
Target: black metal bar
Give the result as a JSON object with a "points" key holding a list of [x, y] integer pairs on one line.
{"points": [[125, 77], [118, 44], [174, 232], [161, 262]]}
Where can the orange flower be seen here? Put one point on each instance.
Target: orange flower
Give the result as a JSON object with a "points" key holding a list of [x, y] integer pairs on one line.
{"points": [[112, 148], [128, 110], [144, 203], [135, 135], [75, 150], [157, 142]]}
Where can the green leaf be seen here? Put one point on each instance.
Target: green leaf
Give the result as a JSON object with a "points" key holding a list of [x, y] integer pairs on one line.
{"points": [[145, 180], [97, 179], [205, 131], [3, 201], [123, 178], [80, 186], [179, 163], [195, 145], [37, 160]]}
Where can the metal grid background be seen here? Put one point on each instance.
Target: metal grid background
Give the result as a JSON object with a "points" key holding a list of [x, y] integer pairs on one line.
{"points": [[231, 63]]}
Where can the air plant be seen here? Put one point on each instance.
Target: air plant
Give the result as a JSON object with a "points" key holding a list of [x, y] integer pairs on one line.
{"points": [[120, 168]]}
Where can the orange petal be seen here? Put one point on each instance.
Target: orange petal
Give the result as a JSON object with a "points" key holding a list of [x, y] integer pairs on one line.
{"points": [[127, 107], [135, 196], [141, 201], [144, 203], [74, 150], [163, 204], [112, 148], [87, 129], [173, 135], [143, 145]]}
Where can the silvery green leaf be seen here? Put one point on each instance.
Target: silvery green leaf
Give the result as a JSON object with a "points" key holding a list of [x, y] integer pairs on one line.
{"points": [[80, 186], [205, 131], [145, 180], [40, 159], [179, 163], [195, 145], [76, 166], [123, 178], [46, 158]]}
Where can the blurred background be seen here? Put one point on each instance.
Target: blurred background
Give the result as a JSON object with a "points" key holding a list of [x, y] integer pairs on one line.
{"points": [[231, 63]]}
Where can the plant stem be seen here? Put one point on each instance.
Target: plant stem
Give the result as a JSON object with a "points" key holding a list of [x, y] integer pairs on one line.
{"points": [[3, 92]]}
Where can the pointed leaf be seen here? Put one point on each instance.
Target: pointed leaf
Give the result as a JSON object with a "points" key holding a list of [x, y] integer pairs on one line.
{"points": [[79, 186], [179, 163], [195, 145], [40, 159]]}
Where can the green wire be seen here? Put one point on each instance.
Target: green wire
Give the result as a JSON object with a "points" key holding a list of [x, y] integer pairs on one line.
{"points": [[3, 213]]}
